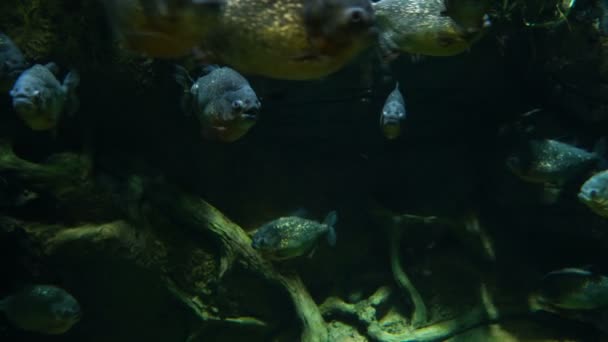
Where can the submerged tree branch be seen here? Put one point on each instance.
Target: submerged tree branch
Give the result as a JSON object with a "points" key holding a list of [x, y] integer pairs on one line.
{"points": [[419, 316], [366, 312], [161, 211], [195, 214]]}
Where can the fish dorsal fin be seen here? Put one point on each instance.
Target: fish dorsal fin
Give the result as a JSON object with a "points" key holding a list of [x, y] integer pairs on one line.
{"points": [[4, 304], [300, 212], [330, 221], [182, 77], [570, 271], [70, 83], [600, 148], [207, 69], [53, 68]]}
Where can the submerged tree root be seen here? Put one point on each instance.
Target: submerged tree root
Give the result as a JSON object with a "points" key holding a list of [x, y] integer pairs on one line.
{"points": [[384, 329], [162, 233], [419, 316], [160, 210], [193, 213]]}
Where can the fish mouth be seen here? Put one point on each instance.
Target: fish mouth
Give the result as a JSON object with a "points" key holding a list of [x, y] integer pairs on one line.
{"points": [[584, 197], [390, 121], [251, 113], [21, 98], [24, 104], [251, 116]]}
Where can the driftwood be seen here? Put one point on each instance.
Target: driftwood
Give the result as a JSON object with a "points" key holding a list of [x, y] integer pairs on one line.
{"points": [[159, 231], [367, 313], [157, 213]]}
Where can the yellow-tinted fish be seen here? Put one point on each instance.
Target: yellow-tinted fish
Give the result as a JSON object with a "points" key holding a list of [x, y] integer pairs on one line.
{"points": [[550, 161], [292, 236], [429, 27], [162, 28], [393, 113], [290, 39], [574, 289], [44, 309]]}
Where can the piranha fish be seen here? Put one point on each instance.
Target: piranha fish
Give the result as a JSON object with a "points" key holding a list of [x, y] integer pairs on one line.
{"points": [[470, 15], [292, 236], [40, 99], [290, 39], [573, 289], [44, 309], [550, 161], [12, 63], [393, 113], [429, 27], [162, 28], [222, 100], [594, 193]]}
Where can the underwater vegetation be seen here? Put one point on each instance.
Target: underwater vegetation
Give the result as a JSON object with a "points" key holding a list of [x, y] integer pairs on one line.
{"points": [[303, 170]]}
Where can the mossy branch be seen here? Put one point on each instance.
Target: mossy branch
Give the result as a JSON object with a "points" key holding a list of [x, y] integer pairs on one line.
{"points": [[419, 316], [195, 214], [68, 178]]}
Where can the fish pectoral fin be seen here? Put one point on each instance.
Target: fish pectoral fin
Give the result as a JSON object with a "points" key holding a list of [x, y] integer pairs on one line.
{"points": [[312, 252], [307, 57]]}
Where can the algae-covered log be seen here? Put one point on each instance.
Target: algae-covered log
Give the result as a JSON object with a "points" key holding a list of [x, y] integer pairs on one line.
{"points": [[193, 213], [391, 327], [66, 177], [162, 240]]}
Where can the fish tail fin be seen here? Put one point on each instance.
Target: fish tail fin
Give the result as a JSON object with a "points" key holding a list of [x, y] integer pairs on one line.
{"points": [[387, 50], [53, 68], [210, 4], [207, 69], [300, 212], [3, 304], [330, 221], [183, 77], [70, 83], [185, 81], [601, 151], [600, 147]]}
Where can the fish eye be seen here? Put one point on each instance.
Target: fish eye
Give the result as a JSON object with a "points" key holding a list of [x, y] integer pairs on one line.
{"points": [[238, 104], [593, 193], [356, 16]]}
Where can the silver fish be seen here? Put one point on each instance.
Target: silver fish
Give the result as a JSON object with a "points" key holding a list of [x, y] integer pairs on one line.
{"points": [[393, 113], [40, 99]]}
